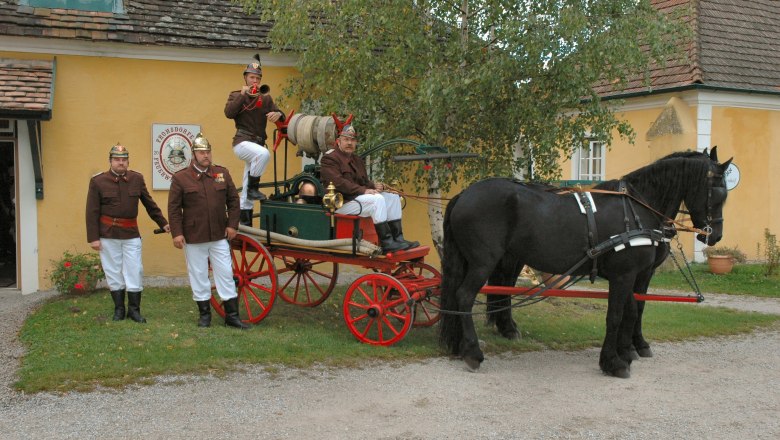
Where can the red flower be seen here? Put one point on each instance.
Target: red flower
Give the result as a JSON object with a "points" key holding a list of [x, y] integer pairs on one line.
{"points": [[67, 264], [78, 286]]}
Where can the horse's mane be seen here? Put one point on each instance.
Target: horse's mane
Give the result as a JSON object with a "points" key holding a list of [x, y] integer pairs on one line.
{"points": [[666, 179]]}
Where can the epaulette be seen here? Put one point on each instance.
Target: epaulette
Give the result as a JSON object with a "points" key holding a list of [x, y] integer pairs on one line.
{"points": [[95, 175], [330, 151]]}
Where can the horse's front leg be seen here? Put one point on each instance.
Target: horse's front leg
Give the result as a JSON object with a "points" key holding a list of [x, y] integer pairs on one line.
{"points": [[625, 347], [609, 360], [641, 346]]}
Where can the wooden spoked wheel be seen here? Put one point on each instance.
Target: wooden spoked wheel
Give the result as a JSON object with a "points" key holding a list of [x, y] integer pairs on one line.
{"points": [[427, 310], [305, 282], [255, 278], [377, 309]]}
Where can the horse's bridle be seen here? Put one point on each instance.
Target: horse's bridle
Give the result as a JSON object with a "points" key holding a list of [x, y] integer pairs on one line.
{"points": [[709, 221]]}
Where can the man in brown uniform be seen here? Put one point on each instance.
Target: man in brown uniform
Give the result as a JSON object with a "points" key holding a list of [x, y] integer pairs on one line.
{"points": [[251, 108], [112, 229], [362, 197], [197, 201]]}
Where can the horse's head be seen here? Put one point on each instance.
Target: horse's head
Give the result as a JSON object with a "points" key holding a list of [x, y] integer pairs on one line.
{"points": [[706, 204]]}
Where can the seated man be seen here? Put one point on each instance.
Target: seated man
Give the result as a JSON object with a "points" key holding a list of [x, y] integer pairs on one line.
{"points": [[363, 197], [307, 193]]}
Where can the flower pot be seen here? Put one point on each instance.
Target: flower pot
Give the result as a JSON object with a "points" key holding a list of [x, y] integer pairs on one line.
{"points": [[720, 264]]}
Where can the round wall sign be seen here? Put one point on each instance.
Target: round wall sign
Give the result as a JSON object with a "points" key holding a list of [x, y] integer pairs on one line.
{"points": [[732, 176]]}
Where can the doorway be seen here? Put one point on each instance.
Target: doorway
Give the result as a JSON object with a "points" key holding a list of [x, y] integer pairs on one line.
{"points": [[8, 198]]}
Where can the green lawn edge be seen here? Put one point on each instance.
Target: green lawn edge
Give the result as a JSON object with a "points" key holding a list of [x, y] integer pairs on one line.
{"points": [[72, 344]]}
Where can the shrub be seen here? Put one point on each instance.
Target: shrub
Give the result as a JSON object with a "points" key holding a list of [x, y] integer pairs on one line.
{"points": [[771, 252], [77, 272]]}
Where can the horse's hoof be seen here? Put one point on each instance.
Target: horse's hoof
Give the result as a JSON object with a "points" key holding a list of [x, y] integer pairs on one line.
{"points": [[633, 355], [472, 364], [622, 373], [645, 352]]}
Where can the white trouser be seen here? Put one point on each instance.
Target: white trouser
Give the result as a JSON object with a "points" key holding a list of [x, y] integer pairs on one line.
{"points": [[255, 159], [198, 256], [380, 207], [121, 260]]}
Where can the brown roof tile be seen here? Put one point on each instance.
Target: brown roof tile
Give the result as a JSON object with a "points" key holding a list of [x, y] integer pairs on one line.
{"points": [[25, 87], [189, 23], [735, 47]]}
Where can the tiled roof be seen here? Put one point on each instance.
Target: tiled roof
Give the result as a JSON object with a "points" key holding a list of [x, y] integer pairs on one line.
{"points": [[214, 24], [735, 47], [740, 43], [25, 88]]}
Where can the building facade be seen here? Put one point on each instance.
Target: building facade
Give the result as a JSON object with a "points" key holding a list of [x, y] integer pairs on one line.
{"points": [[76, 77]]}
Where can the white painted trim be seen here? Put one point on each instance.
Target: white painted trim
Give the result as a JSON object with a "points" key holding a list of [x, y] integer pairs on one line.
{"points": [[57, 46], [713, 98], [27, 234]]}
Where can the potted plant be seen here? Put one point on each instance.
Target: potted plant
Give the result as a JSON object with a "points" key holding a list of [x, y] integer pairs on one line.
{"points": [[76, 272], [721, 259]]}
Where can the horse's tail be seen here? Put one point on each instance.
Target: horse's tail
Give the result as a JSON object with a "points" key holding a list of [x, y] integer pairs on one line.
{"points": [[453, 270]]}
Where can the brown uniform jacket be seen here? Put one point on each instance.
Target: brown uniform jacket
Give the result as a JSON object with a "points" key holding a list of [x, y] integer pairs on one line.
{"points": [[197, 204], [250, 120], [118, 197], [346, 171]]}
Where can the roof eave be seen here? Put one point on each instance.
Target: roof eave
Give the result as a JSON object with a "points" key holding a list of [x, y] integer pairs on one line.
{"points": [[687, 87]]}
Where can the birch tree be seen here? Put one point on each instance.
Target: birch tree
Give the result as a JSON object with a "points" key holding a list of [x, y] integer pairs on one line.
{"points": [[480, 76]]}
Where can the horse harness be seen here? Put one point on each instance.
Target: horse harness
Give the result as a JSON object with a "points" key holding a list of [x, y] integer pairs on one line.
{"points": [[639, 236]]}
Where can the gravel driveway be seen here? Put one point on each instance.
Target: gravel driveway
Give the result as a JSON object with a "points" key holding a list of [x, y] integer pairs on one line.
{"points": [[724, 388]]}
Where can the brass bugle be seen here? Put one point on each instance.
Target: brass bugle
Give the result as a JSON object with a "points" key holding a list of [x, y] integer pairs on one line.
{"points": [[263, 90]]}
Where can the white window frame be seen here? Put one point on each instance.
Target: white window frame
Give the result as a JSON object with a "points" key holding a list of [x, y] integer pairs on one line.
{"points": [[586, 157]]}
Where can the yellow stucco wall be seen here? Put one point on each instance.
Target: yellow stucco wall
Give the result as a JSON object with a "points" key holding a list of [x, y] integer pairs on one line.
{"points": [[751, 137], [100, 101]]}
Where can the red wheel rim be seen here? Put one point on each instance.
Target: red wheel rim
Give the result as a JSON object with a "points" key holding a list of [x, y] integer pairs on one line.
{"points": [[376, 309], [255, 278], [305, 282], [427, 310]]}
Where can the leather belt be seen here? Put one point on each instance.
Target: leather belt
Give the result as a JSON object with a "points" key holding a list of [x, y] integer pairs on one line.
{"points": [[121, 222], [242, 132]]}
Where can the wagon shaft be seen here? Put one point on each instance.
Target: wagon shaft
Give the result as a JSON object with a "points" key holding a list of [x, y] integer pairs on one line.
{"points": [[568, 293]]}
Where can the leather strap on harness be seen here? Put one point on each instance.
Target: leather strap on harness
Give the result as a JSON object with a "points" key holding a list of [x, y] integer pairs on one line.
{"points": [[121, 222], [592, 231]]}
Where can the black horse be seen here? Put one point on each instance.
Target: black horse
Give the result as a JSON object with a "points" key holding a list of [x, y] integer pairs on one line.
{"points": [[495, 226]]}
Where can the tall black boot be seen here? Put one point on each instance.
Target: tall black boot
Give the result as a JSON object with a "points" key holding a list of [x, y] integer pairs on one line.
{"points": [[253, 189], [119, 304], [204, 308], [231, 314], [398, 233], [245, 218], [386, 239], [134, 307]]}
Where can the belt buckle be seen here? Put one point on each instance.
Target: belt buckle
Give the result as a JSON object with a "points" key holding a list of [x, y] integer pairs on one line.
{"points": [[113, 221]]}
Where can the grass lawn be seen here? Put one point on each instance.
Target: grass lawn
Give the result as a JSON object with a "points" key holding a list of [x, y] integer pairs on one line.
{"points": [[745, 279], [73, 344]]}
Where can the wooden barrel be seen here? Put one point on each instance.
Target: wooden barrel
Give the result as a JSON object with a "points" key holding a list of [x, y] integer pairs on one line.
{"points": [[312, 134]]}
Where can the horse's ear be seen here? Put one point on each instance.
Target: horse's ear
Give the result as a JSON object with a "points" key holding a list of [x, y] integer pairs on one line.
{"points": [[725, 165], [713, 153]]}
